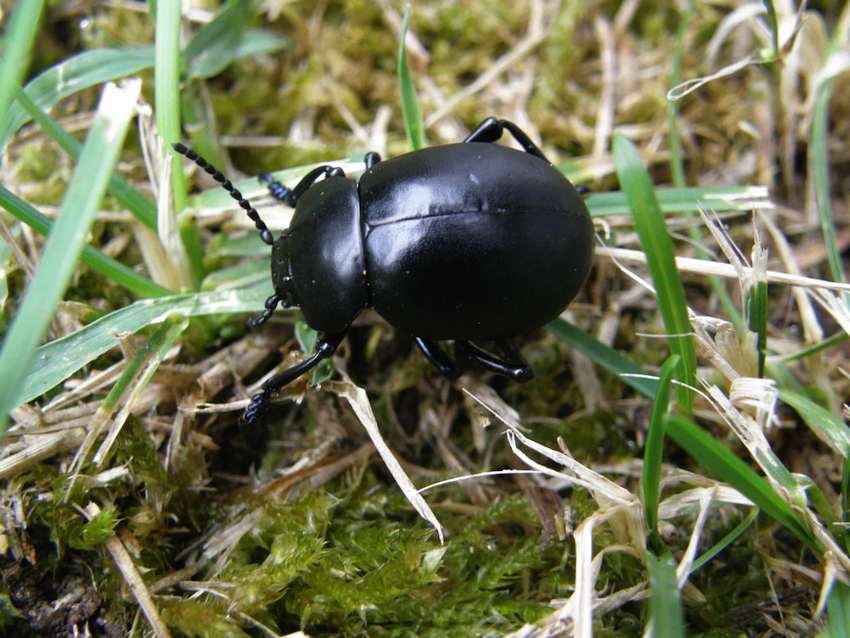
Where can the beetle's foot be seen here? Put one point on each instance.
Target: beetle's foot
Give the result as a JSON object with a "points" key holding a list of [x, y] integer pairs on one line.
{"points": [[271, 304], [277, 190], [583, 190], [518, 371], [522, 374], [257, 408]]}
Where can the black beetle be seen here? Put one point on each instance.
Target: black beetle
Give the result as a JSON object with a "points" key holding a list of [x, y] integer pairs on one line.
{"points": [[463, 242]]}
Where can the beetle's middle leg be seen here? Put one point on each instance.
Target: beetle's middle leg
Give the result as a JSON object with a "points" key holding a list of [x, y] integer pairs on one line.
{"points": [[325, 347], [491, 129], [518, 370], [290, 196], [438, 358]]}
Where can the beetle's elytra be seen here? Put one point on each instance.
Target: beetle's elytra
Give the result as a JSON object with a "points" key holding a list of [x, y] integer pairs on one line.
{"points": [[463, 242]]}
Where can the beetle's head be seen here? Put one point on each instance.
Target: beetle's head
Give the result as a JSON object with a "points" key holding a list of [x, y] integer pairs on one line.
{"points": [[282, 271], [318, 263]]}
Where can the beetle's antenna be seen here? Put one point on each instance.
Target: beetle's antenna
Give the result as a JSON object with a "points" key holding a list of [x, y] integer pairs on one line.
{"points": [[217, 175]]}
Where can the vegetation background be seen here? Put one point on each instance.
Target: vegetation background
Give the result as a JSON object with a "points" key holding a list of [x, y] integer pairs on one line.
{"points": [[677, 467]]}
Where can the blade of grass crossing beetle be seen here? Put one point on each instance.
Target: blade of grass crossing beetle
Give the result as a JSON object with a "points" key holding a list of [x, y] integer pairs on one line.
{"points": [[413, 124], [654, 450], [729, 468], [56, 361], [658, 246], [17, 46], [81, 201], [665, 604], [75, 74], [167, 99], [140, 205], [103, 264], [605, 357]]}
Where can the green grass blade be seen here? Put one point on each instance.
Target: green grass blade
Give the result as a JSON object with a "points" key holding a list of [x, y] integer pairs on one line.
{"points": [[654, 450], [140, 205], [413, 124], [110, 268], [17, 46], [819, 162], [80, 72], [729, 468], [658, 246], [167, 101], [88, 183], [684, 200], [665, 604], [838, 611], [56, 361], [829, 342], [677, 168], [756, 300], [773, 23], [827, 426], [226, 39], [604, 356], [241, 275], [727, 540]]}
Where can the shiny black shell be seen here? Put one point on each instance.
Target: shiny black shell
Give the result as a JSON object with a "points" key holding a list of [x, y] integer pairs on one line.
{"points": [[472, 241]]}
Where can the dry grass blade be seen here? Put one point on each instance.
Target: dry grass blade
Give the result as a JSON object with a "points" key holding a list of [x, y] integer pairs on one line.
{"points": [[132, 577], [359, 402], [704, 267]]}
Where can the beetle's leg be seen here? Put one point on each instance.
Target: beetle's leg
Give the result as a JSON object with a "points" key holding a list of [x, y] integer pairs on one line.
{"points": [[518, 370], [291, 196], [325, 347], [265, 233], [370, 159], [438, 358], [583, 190], [491, 129], [271, 304]]}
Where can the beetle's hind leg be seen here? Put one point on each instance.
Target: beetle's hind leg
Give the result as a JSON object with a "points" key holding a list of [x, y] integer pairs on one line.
{"points": [[325, 347], [438, 358], [518, 369], [491, 129]]}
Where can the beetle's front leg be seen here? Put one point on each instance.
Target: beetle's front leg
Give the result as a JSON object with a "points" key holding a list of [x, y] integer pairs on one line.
{"points": [[325, 347], [271, 304], [290, 196]]}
